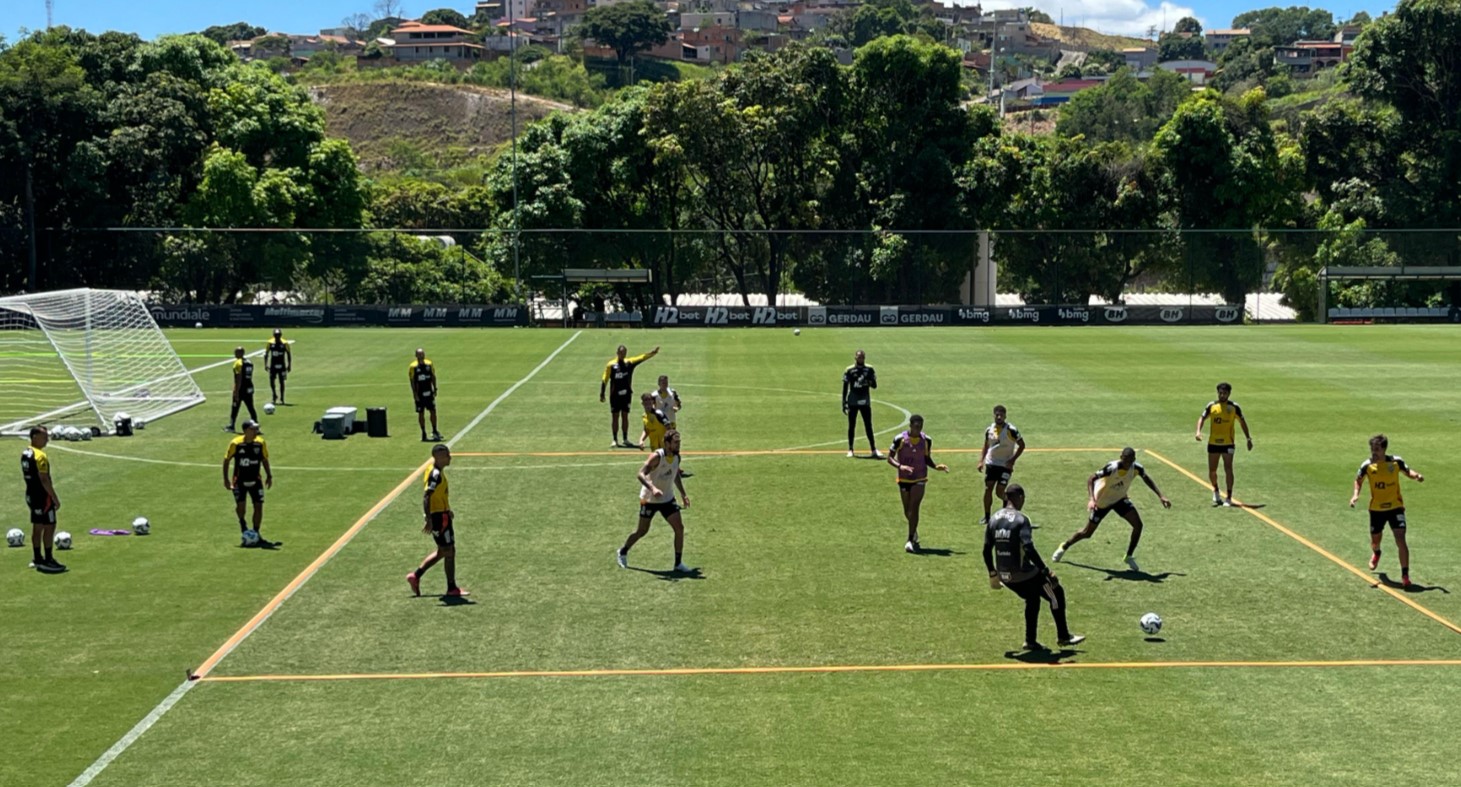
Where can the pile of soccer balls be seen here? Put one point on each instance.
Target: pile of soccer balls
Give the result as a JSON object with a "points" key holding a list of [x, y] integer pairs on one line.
{"points": [[71, 433]]}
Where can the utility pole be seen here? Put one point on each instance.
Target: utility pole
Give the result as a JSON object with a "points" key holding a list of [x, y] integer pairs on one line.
{"points": [[49, 4]]}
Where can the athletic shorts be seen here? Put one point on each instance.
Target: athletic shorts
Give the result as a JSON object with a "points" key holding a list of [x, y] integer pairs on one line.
{"points": [[255, 491], [279, 374], [424, 403], [994, 474], [910, 484], [1221, 449], [1395, 518], [1121, 507], [42, 509], [1038, 586], [648, 510], [620, 402], [441, 529], [865, 408]]}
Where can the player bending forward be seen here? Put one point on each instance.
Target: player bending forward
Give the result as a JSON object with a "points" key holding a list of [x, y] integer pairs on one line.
{"points": [[1108, 489], [1010, 557], [658, 480]]}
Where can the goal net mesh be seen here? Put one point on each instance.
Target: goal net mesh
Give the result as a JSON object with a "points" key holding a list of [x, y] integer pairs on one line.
{"points": [[80, 357]]}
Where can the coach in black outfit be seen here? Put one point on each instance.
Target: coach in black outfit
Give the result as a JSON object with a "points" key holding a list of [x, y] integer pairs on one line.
{"points": [[1012, 560]]}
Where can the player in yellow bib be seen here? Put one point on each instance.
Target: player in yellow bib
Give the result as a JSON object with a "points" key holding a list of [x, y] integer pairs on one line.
{"points": [[1222, 414], [1387, 506], [656, 423], [437, 521]]}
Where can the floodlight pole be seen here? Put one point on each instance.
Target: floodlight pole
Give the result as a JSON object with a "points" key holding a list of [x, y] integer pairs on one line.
{"points": [[512, 112]]}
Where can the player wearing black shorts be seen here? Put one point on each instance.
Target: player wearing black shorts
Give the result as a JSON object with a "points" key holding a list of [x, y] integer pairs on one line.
{"points": [[437, 514], [1387, 506], [1003, 446], [422, 374], [243, 388], [248, 454], [281, 363], [40, 500], [858, 381], [1223, 414], [658, 479], [1012, 561], [618, 383], [1107, 491]]}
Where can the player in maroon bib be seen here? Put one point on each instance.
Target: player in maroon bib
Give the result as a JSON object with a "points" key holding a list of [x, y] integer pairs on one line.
{"points": [[912, 454]]}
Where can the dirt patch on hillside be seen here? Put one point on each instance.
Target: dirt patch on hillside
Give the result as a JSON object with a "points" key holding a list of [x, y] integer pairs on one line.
{"points": [[464, 119]]}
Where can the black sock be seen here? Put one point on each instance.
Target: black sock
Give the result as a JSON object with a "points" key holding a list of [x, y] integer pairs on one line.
{"points": [[678, 559], [48, 554], [36, 549], [242, 525], [1404, 570]]}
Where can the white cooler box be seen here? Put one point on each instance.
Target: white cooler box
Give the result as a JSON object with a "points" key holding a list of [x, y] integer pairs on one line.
{"points": [[338, 423]]}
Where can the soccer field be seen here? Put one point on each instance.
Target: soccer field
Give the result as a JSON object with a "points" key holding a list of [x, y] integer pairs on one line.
{"points": [[808, 648]]}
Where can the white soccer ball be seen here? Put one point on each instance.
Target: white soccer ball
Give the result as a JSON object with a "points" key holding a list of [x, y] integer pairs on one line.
{"points": [[250, 538], [268, 408], [1151, 623], [15, 537], [63, 540], [86, 435], [197, 325], [139, 424], [796, 331], [141, 526]]}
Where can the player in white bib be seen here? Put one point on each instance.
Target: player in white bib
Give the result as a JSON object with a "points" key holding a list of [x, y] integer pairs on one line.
{"points": [[658, 479], [667, 401], [1108, 490], [1002, 447]]}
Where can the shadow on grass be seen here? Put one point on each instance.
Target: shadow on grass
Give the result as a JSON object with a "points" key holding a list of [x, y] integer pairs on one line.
{"points": [[935, 552], [1127, 574], [456, 601], [671, 575], [1414, 587], [1155, 639], [1040, 656]]}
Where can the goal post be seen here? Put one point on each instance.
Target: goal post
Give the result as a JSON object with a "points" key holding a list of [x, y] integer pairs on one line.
{"points": [[80, 357]]}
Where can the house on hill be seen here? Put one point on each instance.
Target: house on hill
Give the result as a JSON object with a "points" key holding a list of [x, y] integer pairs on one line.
{"points": [[1220, 40], [413, 41], [1306, 58]]}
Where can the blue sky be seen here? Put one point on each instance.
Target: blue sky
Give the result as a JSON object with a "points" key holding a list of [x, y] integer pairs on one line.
{"points": [[150, 18]]}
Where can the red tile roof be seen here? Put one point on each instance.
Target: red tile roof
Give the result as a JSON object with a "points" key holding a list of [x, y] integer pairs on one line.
{"points": [[417, 27]]}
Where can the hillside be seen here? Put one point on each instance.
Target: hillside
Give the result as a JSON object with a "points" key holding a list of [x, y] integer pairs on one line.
{"points": [[1081, 38], [463, 120]]}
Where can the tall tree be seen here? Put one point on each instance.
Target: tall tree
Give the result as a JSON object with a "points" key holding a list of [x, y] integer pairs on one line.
{"points": [[627, 28], [1277, 26], [238, 31], [1188, 25], [446, 16]]}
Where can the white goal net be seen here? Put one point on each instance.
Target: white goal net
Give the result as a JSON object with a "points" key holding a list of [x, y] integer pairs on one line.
{"points": [[80, 357]]}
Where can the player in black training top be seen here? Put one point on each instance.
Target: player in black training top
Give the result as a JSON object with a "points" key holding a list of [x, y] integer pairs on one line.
{"points": [[281, 363], [41, 500], [857, 384], [249, 457], [1013, 561], [243, 388], [618, 383]]}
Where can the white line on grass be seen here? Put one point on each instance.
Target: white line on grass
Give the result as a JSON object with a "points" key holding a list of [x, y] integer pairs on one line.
{"points": [[242, 634]]}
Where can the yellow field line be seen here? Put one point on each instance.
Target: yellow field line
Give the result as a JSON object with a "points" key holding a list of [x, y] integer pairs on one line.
{"points": [[1271, 522], [303, 576], [833, 668], [765, 452]]}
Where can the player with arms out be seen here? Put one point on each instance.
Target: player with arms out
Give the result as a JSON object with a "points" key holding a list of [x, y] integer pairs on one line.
{"points": [[658, 479], [243, 388], [1012, 561], [1387, 505], [1221, 441], [436, 508], [858, 381], [281, 363], [248, 454], [912, 454], [41, 501], [618, 382], [1107, 490], [1003, 446], [422, 374]]}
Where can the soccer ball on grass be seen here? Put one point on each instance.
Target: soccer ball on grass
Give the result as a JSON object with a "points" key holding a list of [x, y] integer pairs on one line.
{"points": [[268, 408], [141, 526], [1151, 623], [63, 540], [15, 537], [796, 331], [250, 538]]}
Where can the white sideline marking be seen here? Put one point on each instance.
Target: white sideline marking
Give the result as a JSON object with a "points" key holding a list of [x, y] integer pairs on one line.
{"points": [[172, 699], [132, 735]]}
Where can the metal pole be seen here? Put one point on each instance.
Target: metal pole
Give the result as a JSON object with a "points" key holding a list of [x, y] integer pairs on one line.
{"points": [[30, 229], [512, 97]]}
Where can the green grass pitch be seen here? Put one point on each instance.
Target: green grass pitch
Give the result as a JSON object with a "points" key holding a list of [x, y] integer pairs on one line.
{"points": [[801, 565]]}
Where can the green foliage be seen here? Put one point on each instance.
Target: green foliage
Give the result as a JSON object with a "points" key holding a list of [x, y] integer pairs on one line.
{"points": [[1034, 14], [446, 16], [1279, 26], [626, 27], [1188, 25], [1172, 46], [1124, 108], [405, 269], [238, 31]]}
